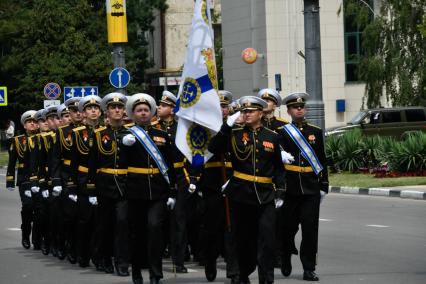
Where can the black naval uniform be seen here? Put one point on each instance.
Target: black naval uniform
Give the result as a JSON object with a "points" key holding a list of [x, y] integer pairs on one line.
{"points": [[302, 197], [184, 226], [257, 180], [82, 213], [216, 229], [107, 170], [64, 208], [274, 122], [147, 192], [19, 152]]}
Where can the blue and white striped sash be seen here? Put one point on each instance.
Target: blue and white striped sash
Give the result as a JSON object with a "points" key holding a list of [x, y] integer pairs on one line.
{"points": [[151, 148], [307, 151]]}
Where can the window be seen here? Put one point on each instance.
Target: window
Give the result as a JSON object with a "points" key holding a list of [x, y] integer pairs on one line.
{"points": [[353, 44], [391, 116], [415, 115]]}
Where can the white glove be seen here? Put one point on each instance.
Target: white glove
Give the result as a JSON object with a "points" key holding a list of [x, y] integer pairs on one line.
{"points": [[171, 203], [278, 203], [192, 187], [35, 189], [45, 193], [129, 140], [27, 193], [11, 188], [232, 118], [73, 197], [57, 190], [323, 194], [286, 157], [93, 200]]}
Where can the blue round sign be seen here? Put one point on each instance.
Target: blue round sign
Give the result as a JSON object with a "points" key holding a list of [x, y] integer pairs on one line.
{"points": [[119, 77], [52, 91]]}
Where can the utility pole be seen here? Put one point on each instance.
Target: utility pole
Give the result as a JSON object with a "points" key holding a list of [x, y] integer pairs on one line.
{"points": [[117, 32], [313, 70]]}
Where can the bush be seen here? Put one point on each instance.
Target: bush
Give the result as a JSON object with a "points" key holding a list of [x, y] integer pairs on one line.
{"points": [[353, 152]]}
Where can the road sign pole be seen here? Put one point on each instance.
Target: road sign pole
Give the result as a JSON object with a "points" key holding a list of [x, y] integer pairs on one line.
{"points": [[119, 59]]}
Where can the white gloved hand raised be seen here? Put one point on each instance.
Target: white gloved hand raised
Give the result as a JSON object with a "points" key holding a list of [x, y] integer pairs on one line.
{"points": [[286, 157], [93, 200], [11, 188], [35, 189], [171, 202], [278, 202], [129, 140], [57, 190], [230, 121], [27, 193], [323, 194], [191, 188], [73, 197], [45, 193]]}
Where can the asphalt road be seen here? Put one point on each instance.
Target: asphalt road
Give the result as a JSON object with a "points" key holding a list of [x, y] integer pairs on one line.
{"points": [[363, 239]]}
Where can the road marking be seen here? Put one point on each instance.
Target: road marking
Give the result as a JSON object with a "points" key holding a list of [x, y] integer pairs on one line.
{"points": [[325, 220], [377, 226], [13, 229], [192, 270]]}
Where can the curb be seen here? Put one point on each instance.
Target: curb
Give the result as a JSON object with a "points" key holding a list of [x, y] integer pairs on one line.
{"points": [[410, 194]]}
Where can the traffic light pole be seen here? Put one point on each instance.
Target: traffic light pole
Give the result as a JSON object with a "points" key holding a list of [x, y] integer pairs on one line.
{"points": [[313, 70]]}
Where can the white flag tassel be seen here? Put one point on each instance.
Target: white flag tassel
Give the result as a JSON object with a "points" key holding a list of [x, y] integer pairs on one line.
{"points": [[198, 104]]}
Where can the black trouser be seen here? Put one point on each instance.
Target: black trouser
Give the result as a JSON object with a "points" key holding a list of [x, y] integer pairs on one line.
{"points": [[305, 209], [255, 238], [112, 230], [38, 214], [45, 218], [86, 224], [146, 218], [185, 226], [70, 221], [217, 236], [27, 212]]}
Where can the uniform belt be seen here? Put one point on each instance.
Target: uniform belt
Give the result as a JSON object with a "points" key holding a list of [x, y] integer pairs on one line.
{"points": [[145, 171], [247, 177], [113, 171], [20, 166], [293, 168], [218, 165], [83, 169], [67, 162], [178, 165]]}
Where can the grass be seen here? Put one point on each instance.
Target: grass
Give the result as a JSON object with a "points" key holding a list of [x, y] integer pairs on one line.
{"points": [[4, 157], [367, 181]]}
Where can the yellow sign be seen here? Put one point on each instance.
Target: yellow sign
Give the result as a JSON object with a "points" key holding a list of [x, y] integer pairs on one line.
{"points": [[3, 96], [116, 20]]}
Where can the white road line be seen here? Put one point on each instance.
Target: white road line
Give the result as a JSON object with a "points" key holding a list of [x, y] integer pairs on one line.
{"points": [[13, 229], [192, 270], [377, 226], [325, 220]]}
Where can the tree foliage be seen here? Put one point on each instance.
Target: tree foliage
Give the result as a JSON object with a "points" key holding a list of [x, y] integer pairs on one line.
{"points": [[394, 51], [65, 42]]}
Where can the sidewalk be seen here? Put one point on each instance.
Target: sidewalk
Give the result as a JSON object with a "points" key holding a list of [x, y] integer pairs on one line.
{"points": [[411, 192]]}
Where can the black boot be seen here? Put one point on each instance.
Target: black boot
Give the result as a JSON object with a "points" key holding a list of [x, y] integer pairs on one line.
{"points": [[181, 269], [108, 266], [99, 264], [155, 280], [26, 241], [136, 275], [210, 270], [45, 247], [121, 270], [309, 275], [235, 279], [286, 265]]}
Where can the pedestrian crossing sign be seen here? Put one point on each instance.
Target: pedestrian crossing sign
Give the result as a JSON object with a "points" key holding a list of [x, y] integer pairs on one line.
{"points": [[3, 96]]}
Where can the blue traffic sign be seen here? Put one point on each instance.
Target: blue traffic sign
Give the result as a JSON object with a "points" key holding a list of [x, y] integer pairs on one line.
{"points": [[52, 91], [79, 91], [119, 77], [3, 96]]}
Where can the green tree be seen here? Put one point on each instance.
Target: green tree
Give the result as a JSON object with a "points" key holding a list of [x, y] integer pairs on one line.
{"points": [[65, 42], [394, 51]]}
